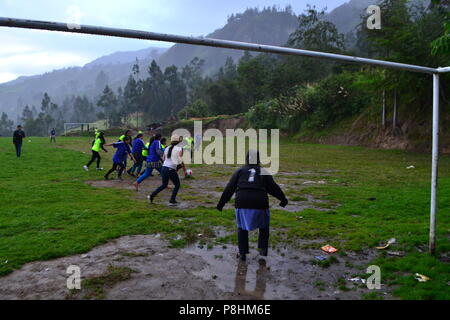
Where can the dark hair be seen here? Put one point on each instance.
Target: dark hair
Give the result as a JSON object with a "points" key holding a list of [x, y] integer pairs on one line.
{"points": [[126, 132], [140, 135], [155, 137], [163, 140], [126, 138], [172, 144]]}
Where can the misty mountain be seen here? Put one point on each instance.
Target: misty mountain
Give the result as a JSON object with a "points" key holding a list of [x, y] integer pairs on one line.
{"points": [[347, 16], [127, 57], [88, 80], [267, 26]]}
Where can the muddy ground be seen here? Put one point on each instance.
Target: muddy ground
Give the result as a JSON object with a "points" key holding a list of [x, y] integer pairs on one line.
{"points": [[208, 182], [149, 269], [145, 267]]}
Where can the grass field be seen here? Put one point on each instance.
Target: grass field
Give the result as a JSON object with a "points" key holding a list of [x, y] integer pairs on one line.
{"points": [[48, 211]]}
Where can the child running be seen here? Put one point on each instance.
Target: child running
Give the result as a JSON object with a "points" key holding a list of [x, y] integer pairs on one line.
{"points": [[97, 144], [123, 149], [172, 157], [138, 146], [127, 133], [154, 160]]}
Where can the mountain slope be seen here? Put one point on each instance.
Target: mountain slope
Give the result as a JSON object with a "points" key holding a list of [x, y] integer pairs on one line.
{"points": [[88, 80], [268, 26]]}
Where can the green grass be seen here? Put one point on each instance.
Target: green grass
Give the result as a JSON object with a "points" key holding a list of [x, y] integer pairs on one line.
{"points": [[96, 286], [48, 210]]}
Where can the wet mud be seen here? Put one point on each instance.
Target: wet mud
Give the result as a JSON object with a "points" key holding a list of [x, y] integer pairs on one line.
{"points": [[195, 272]]}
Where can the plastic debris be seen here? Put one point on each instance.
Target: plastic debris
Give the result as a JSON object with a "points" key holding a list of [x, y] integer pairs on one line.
{"points": [[357, 279], [329, 249], [84, 256], [321, 258], [6, 261], [410, 167], [396, 253], [315, 182], [390, 241], [421, 278], [299, 217]]}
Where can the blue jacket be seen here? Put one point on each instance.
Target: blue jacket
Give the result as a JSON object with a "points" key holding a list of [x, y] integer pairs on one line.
{"points": [[138, 145], [153, 155], [122, 151]]}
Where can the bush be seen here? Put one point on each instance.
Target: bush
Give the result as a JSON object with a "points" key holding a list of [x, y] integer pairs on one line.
{"points": [[265, 115], [314, 107], [198, 109]]}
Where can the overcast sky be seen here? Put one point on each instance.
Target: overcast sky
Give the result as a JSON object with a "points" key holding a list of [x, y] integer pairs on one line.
{"points": [[29, 52]]}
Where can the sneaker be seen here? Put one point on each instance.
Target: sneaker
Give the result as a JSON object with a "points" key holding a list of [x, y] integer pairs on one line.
{"points": [[86, 168], [263, 252], [173, 203], [150, 198], [136, 186], [99, 169]]}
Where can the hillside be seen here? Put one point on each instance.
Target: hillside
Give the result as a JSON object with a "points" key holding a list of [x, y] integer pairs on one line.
{"points": [[88, 80], [268, 27]]}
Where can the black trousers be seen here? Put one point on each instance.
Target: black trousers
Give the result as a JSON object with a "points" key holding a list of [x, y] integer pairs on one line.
{"points": [[263, 240], [116, 166], [95, 156]]}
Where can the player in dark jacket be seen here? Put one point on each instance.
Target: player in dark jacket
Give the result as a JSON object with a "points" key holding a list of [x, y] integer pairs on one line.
{"points": [[252, 202], [18, 136]]}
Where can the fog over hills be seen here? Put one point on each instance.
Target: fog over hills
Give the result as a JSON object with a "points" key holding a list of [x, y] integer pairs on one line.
{"points": [[269, 26]]}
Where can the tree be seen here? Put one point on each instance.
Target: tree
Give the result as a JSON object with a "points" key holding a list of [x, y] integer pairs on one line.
{"points": [[101, 81], [6, 125], [83, 110], [108, 103], [316, 33], [441, 45], [131, 97]]}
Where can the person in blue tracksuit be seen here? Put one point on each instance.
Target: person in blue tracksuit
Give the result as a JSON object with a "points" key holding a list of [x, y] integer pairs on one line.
{"points": [[154, 160], [123, 150], [138, 146]]}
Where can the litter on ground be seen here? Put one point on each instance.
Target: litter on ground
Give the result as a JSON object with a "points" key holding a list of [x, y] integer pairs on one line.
{"points": [[357, 279], [329, 249], [396, 253], [421, 278], [390, 241], [321, 258]]}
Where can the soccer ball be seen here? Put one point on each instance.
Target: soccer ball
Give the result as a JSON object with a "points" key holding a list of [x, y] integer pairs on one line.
{"points": [[188, 172]]}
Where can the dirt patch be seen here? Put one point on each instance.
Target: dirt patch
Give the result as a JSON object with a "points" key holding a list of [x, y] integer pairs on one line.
{"points": [[208, 184], [155, 271]]}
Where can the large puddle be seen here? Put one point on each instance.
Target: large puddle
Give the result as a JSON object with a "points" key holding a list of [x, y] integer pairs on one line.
{"points": [[196, 272]]}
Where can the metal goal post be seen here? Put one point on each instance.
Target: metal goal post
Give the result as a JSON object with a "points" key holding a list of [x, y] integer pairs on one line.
{"points": [[145, 35]]}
